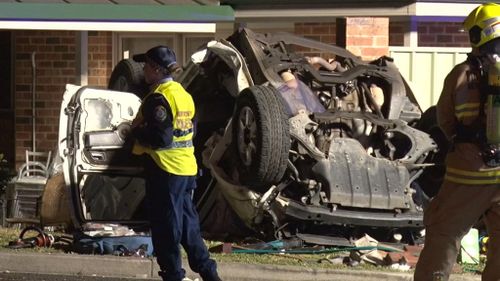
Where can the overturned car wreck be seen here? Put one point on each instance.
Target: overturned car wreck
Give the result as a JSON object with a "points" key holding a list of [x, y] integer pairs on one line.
{"points": [[287, 144]]}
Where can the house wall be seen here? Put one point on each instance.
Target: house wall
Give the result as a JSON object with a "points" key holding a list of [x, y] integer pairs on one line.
{"points": [[396, 33], [442, 34], [431, 34], [364, 37], [55, 60], [56, 66], [100, 58], [367, 38], [324, 32]]}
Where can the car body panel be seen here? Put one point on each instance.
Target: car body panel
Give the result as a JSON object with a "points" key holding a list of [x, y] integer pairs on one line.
{"points": [[352, 158], [98, 168], [364, 184]]}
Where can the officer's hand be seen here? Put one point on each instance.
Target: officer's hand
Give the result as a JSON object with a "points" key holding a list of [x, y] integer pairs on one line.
{"points": [[138, 122]]}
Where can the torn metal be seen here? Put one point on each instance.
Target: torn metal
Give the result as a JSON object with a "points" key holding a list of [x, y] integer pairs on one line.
{"points": [[287, 144]]}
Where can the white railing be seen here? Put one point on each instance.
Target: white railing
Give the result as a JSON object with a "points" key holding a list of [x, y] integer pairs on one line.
{"points": [[425, 68]]}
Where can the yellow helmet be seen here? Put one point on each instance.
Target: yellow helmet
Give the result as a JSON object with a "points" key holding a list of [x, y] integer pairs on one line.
{"points": [[483, 24]]}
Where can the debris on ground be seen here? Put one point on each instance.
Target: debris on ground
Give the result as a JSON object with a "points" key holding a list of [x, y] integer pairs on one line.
{"points": [[372, 254], [102, 239], [112, 239], [365, 250], [32, 236], [99, 240], [108, 229]]}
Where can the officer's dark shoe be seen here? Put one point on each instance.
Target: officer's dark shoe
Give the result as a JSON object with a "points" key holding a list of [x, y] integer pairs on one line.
{"points": [[217, 278], [166, 277], [212, 276]]}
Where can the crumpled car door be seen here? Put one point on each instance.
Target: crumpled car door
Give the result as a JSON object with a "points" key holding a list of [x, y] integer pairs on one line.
{"points": [[94, 143]]}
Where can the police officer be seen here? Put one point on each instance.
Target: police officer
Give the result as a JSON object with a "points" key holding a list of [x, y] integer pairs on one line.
{"points": [[471, 188], [164, 131]]}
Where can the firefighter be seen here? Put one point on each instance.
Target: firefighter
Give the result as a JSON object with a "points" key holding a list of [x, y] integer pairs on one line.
{"points": [[471, 188], [164, 132]]}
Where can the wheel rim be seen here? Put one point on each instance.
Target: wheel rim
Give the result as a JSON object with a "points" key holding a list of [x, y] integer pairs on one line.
{"points": [[247, 135]]}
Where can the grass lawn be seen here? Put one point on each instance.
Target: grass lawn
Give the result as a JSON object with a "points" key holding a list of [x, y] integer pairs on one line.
{"points": [[305, 260]]}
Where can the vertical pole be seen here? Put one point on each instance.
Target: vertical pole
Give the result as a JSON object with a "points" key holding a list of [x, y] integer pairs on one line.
{"points": [[33, 99], [82, 52], [411, 33]]}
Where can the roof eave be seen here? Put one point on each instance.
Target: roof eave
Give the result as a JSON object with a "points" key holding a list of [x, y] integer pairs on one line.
{"points": [[115, 13]]}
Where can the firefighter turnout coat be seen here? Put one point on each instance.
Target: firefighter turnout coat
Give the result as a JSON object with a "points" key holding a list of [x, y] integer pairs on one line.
{"points": [[460, 103]]}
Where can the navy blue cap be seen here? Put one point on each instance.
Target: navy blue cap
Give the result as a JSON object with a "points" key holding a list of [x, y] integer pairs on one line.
{"points": [[161, 55]]}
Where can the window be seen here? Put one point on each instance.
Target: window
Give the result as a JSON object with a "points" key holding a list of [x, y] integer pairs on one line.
{"points": [[134, 45], [129, 44], [5, 70]]}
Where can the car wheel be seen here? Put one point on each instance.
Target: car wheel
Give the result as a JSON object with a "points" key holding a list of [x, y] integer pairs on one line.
{"points": [[261, 137], [431, 179], [128, 76]]}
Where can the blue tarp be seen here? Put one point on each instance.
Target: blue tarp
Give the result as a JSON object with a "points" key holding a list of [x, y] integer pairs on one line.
{"points": [[136, 245]]}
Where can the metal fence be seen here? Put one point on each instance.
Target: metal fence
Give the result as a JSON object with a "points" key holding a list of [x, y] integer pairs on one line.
{"points": [[426, 68]]}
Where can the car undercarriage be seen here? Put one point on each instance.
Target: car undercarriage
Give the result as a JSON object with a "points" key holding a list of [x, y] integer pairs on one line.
{"points": [[337, 152]]}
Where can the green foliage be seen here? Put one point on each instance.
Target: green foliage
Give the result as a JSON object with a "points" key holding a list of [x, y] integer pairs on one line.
{"points": [[7, 235], [473, 268], [6, 173], [319, 261]]}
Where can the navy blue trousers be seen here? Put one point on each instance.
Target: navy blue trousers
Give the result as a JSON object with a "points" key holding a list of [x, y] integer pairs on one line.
{"points": [[174, 221]]}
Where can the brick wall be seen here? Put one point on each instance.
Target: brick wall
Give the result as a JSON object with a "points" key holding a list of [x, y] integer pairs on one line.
{"points": [[367, 37], [431, 34], [396, 34], [324, 32], [56, 66], [442, 34], [100, 58]]}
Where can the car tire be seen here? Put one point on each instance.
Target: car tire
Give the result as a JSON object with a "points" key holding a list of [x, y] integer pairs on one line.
{"points": [[261, 136], [431, 179], [128, 76]]}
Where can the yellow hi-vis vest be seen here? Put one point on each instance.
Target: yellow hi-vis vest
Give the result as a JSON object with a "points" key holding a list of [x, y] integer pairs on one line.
{"points": [[179, 159], [460, 102]]}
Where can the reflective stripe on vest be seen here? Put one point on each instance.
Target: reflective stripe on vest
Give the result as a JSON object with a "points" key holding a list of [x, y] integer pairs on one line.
{"points": [[467, 110], [182, 107], [178, 144], [472, 177], [179, 157]]}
